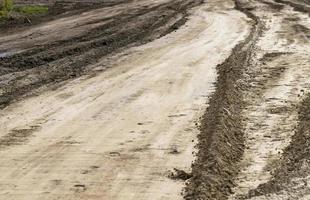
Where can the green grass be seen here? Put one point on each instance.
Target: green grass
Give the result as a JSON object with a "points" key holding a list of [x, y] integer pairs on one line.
{"points": [[3, 14], [27, 10], [31, 9], [8, 5], [5, 7]]}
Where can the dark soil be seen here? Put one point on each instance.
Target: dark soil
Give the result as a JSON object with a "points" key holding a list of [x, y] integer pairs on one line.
{"points": [[62, 60], [221, 139], [295, 161]]}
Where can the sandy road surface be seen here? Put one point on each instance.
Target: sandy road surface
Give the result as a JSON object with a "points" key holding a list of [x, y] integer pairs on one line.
{"points": [[116, 135]]}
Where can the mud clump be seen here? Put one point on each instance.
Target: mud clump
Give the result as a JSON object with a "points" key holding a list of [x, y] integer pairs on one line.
{"points": [[178, 174]]}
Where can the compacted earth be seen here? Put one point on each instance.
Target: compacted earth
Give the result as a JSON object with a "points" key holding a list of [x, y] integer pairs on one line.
{"points": [[156, 99]]}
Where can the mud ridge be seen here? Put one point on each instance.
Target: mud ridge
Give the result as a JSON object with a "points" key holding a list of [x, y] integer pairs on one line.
{"points": [[294, 162], [221, 139]]}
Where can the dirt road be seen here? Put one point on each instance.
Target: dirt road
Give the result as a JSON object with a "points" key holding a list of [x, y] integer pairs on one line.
{"points": [[106, 102], [116, 132]]}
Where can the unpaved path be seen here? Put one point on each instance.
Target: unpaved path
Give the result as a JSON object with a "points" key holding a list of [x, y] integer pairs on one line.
{"points": [[116, 135]]}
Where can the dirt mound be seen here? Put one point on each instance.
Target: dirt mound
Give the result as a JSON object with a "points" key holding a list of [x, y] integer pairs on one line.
{"points": [[178, 174]]}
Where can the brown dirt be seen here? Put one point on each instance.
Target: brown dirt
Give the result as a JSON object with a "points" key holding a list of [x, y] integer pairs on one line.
{"points": [[65, 59], [220, 142]]}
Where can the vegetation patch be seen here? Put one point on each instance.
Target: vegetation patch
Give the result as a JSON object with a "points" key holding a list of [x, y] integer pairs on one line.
{"points": [[31, 9], [5, 8], [3, 14], [8, 10]]}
